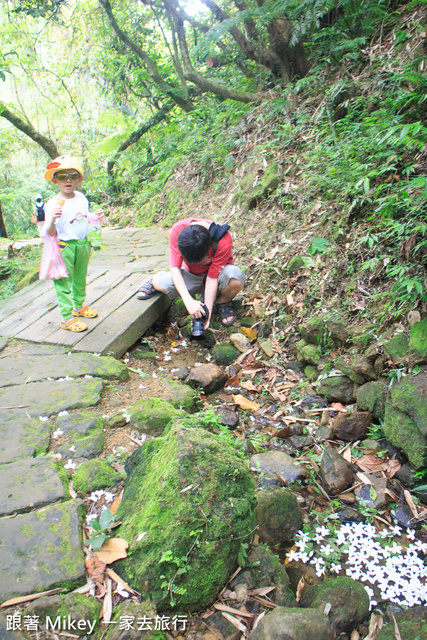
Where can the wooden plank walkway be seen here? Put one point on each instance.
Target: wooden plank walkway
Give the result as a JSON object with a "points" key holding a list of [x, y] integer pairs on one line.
{"points": [[127, 259]]}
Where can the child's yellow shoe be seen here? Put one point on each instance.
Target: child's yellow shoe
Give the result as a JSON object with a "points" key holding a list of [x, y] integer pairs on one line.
{"points": [[74, 325], [85, 312]]}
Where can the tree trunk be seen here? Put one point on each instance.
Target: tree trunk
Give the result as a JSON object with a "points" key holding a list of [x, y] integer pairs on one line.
{"points": [[48, 145], [3, 232], [151, 67]]}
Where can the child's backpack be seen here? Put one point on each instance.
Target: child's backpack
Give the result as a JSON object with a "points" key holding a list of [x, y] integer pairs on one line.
{"points": [[217, 231]]}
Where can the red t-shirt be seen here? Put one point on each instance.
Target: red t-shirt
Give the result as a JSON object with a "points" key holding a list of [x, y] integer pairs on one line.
{"points": [[222, 257]]}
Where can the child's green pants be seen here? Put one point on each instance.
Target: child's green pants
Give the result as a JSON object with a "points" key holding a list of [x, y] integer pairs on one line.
{"points": [[71, 291]]}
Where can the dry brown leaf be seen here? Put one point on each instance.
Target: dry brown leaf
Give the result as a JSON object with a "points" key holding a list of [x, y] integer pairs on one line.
{"points": [[354, 635], [364, 478], [371, 463], [251, 334], [117, 500], [235, 622], [96, 569], [30, 597], [107, 607], [338, 406], [346, 454], [236, 612], [411, 503], [113, 549], [261, 591], [234, 381], [249, 386], [244, 403], [119, 580], [300, 589], [375, 626]]}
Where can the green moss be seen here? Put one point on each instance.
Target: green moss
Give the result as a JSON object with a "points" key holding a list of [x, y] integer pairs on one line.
{"points": [[27, 531], [308, 353], [225, 353], [153, 415], [398, 347], [180, 396], [199, 530], [371, 397], [93, 475], [418, 340], [402, 431]]}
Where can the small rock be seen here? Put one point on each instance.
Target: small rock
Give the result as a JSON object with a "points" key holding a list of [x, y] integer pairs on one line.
{"points": [[293, 624], [275, 463], [336, 473], [347, 514], [209, 377], [225, 353], [267, 347], [403, 515], [227, 417], [240, 342], [278, 516], [351, 426], [373, 495]]}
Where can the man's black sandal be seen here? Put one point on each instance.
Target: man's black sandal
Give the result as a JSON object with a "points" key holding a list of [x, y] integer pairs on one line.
{"points": [[146, 291], [225, 310]]}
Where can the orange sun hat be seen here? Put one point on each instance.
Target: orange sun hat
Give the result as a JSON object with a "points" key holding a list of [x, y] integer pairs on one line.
{"points": [[62, 163]]}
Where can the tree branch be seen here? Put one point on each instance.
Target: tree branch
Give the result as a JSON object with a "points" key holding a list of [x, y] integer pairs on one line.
{"points": [[26, 127], [138, 133], [151, 67]]}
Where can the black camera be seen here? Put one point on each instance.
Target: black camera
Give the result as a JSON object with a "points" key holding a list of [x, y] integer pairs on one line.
{"points": [[197, 325]]}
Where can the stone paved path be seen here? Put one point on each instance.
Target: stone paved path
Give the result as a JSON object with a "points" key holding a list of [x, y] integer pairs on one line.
{"points": [[43, 374]]}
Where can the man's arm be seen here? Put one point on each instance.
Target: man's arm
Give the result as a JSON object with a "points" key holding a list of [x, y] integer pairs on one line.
{"points": [[211, 289]]}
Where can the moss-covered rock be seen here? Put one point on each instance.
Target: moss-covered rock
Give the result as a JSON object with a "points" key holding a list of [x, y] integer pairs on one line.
{"points": [[264, 569], [293, 624], [412, 625], [338, 388], [418, 342], [348, 599], [180, 396], [325, 330], [278, 515], [255, 189], [397, 347], [308, 353], [93, 475], [72, 612], [192, 496], [371, 397], [225, 353], [153, 415], [405, 421], [31, 276], [143, 622]]}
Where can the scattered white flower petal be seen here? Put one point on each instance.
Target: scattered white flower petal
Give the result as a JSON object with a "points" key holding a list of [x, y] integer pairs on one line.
{"points": [[141, 386], [70, 465], [167, 358], [126, 360], [154, 374], [43, 418], [73, 449], [97, 354], [57, 433], [141, 536], [122, 591], [63, 413], [88, 376]]}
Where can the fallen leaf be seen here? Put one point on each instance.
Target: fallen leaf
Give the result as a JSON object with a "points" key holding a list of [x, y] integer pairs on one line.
{"points": [[113, 549], [411, 503], [284, 433], [338, 406], [236, 612], [234, 381], [375, 625], [107, 607], [251, 334], [96, 569], [28, 598], [300, 589], [117, 500], [249, 386], [244, 403], [119, 580], [373, 464], [235, 622]]}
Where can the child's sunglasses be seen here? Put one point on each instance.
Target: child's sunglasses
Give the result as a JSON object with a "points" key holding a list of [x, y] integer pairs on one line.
{"points": [[66, 176]]}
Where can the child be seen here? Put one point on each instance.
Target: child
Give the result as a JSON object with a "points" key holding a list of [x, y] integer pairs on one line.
{"points": [[201, 261], [67, 215]]}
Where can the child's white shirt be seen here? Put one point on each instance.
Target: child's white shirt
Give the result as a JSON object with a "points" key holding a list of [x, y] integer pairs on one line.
{"points": [[73, 223]]}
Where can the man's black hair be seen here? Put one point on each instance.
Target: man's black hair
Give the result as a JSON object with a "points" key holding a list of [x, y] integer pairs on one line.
{"points": [[194, 243]]}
